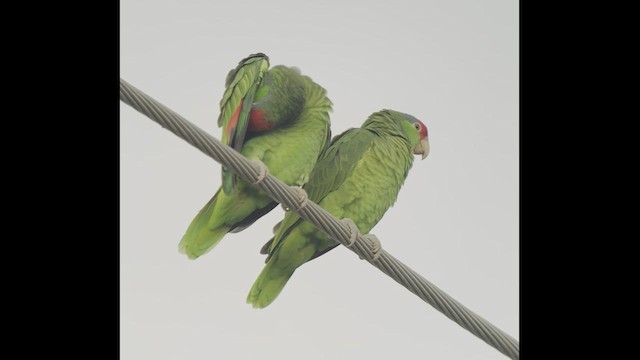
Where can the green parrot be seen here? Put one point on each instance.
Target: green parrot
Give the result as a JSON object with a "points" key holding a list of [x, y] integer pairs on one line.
{"points": [[358, 177], [278, 116]]}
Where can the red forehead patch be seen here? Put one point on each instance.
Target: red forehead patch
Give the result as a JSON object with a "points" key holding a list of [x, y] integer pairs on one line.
{"points": [[424, 133]]}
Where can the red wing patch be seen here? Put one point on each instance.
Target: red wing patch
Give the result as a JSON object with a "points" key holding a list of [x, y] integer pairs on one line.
{"points": [[233, 122], [257, 122]]}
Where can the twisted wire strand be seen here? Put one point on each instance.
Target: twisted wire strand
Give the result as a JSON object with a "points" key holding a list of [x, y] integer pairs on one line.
{"points": [[320, 218]]}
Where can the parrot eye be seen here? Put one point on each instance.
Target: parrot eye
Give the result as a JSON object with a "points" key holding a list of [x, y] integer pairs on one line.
{"points": [[417, 126]]}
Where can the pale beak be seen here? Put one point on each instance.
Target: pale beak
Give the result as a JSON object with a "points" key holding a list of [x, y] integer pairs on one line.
{"points": [[422, 148]]}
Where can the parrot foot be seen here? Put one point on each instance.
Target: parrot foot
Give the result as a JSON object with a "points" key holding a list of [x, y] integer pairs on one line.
{"points": [[262, 170], [353, 231], [301, 200], [375, 246]]}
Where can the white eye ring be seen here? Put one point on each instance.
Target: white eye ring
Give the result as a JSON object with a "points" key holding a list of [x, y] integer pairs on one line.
{"points": [[417, 126]]}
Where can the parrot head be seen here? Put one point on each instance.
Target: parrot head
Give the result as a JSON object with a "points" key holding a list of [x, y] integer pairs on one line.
{"points": [[415, 130], [279, 99]]}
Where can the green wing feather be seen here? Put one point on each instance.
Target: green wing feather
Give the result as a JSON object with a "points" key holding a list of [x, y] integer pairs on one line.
{"points": [[334, 166], [235, 106]]}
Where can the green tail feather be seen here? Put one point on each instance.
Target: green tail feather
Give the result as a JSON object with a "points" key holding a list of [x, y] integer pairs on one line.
{"points": [[201, 237], [268, 286]]}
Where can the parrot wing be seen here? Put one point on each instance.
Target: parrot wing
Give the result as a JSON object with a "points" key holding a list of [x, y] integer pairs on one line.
{"points": [[235, 106], [334, 166]]}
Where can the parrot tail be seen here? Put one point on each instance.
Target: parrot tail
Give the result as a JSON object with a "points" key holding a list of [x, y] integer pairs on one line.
{"points": [[268, 286], [202, 236]]}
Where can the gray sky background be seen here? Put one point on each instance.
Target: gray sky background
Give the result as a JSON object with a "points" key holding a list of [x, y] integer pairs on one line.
{"points": [[453, 64]]}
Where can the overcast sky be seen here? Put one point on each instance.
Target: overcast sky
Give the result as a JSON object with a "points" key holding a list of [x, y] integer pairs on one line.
{"points": [[453, 64]]}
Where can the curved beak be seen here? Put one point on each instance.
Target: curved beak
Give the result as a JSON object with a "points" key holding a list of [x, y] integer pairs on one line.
{"points": [[422, 148]]}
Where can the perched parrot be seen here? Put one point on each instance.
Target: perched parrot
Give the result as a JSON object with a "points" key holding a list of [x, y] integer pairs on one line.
{"points": [[278, 116], [358, 177]]}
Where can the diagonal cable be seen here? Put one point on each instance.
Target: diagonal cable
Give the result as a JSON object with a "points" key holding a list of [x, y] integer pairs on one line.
{"points": [[366, 246]]}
